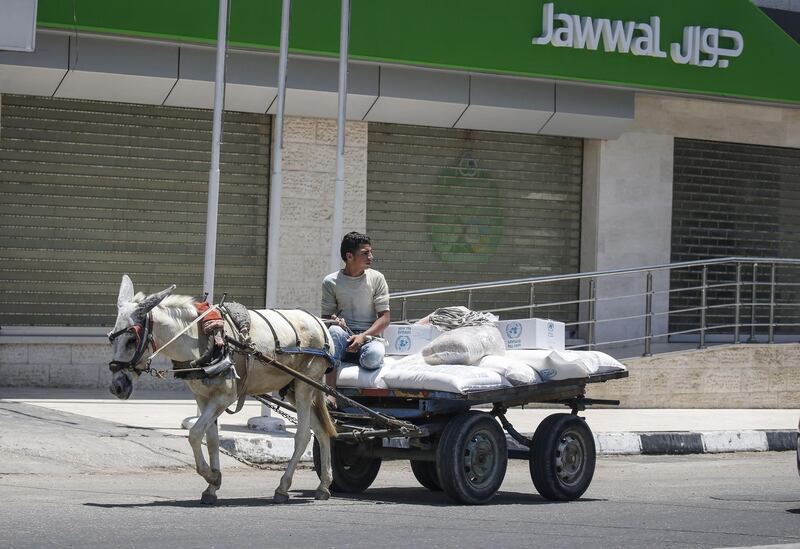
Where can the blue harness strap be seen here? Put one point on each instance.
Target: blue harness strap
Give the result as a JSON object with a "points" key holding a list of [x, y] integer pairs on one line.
{"points": [[308, 351]]}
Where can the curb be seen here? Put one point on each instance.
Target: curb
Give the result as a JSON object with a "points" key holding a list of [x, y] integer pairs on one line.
{"points": [[708, 442], [263, 448]]}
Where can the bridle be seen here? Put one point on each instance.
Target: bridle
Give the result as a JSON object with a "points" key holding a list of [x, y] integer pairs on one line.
{"points": [[143, 331]]}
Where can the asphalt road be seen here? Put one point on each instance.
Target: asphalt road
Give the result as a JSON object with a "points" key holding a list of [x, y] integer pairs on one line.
{"points": [[70, 481]]}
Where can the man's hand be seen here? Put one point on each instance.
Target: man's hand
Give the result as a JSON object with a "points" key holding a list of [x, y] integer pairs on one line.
{"points": [[355, 342], [339, 322]]}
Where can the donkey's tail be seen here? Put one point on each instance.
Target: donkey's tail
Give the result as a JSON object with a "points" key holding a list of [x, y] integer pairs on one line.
{"points": [[321, 410]]}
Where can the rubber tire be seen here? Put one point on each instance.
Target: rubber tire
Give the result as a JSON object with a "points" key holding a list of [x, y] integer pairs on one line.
{"points": [[427, 475], [351, 474], [457, 443], [559, 437]]}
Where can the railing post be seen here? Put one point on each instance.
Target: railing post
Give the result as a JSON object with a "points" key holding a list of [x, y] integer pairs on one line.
{"points": [[772, 304], [737, 306], [752, 338], [648, 316], [592, 313], [403, 311], [469, 299], [703, 304], [532, 301]]}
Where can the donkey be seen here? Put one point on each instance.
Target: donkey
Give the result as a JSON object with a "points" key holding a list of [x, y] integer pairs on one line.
{"points": [[154, 320]]}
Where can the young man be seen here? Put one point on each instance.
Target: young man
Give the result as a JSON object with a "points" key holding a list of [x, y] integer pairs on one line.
{"points": [[357, 297]]}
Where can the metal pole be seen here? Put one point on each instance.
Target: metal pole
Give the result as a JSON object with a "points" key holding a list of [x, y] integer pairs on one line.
{"points": [[752, 338], [648, 316], [772, 304], [592, 319], [276, 184], [338, 195], [216, 138], [703, 304], [736, 313], [403, 311], [469, 299], [532, 301]]}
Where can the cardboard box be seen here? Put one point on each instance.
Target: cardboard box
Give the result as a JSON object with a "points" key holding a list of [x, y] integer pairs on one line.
{"points": [[532, 333], [407, 339]]}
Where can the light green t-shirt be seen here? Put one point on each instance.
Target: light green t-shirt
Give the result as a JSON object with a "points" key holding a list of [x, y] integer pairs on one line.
{"points": [[357, 299]]}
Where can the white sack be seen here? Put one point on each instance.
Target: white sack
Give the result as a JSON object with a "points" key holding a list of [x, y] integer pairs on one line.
{"points": [[412, 372], [556, 365], [515, 371], [353, 375], [464, 346]]}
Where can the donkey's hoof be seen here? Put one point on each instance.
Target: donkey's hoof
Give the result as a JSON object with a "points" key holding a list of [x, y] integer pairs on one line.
{"points": [[280, 498], [208, 499], [322, 495]]}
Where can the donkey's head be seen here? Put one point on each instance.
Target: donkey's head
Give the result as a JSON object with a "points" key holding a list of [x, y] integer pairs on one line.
{"points": [[131, 336]]}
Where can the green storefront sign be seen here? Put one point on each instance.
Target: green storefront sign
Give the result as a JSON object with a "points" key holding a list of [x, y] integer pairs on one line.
{"points": [[715, 47]]}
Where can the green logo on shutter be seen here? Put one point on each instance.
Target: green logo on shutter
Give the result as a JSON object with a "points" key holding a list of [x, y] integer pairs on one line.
{"points": [[467, 223]]}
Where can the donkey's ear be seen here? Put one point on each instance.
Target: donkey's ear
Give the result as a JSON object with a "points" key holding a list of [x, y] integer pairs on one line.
{"points": [[152, 300], [125, 291]]}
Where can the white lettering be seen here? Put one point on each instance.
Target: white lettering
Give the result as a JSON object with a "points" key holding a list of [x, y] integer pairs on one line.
{"points": [[699, 47]]}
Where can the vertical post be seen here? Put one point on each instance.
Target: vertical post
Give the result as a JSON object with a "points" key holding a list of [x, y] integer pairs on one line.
{"points": [[532, 301], [703, 305], [772, 304], [266, 422], [753, 297], [648, 316], [338, 194], [737, 306], [209, 264], [592, 312], [276, 183], [469, 299], [403, 311]]}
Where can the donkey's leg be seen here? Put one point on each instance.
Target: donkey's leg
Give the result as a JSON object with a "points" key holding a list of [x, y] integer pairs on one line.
{"points": [[210, 410], [324, 440], [303, 397]]}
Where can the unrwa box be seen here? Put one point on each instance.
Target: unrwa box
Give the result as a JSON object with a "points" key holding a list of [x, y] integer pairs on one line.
{"points": [[532, 333], [407, 339]]}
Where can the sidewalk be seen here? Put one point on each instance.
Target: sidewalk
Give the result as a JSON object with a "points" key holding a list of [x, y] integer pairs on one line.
{"points": [[616, 430]]}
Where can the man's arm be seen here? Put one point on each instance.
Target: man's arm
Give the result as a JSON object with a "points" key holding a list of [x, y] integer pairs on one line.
{"points": [[357, 341]]}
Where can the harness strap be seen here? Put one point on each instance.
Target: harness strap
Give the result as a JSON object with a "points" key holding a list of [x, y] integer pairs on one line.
{"points": [[296, 335], [324, 332], [241, 385], [271, 329]]}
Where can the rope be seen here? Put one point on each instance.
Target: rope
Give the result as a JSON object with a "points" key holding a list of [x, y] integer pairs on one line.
{"points": [[450, 318]]}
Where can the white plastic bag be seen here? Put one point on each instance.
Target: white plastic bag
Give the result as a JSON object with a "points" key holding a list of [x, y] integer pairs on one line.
{"points": [[515, 371], [464, 346]]}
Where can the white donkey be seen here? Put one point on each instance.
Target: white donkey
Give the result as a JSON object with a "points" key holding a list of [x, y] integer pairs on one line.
{"points": [[152, 321]]}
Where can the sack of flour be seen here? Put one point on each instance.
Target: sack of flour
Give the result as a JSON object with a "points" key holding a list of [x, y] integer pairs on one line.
{"points": [[464, 346]]}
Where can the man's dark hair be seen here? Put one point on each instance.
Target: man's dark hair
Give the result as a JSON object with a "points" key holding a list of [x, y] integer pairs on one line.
{"points": [[352, 242]]}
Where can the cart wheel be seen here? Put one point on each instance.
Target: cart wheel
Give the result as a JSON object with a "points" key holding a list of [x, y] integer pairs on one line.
{"points": [[562, 457], [471, 457], [352, 473], [425, 472]]}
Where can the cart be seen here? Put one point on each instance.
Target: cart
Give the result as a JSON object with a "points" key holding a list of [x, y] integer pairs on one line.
{"points": [[460, 450]]}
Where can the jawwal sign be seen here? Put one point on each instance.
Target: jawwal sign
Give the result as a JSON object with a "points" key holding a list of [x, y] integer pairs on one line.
{"points": [[701, 46], [515, 37]]}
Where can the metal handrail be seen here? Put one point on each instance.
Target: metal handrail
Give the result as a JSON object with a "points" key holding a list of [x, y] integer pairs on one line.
{"points": [[751, 298], [594, 274]]}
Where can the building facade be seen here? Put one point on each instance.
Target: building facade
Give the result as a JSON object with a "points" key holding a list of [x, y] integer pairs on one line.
{"points": [[538, 138]]}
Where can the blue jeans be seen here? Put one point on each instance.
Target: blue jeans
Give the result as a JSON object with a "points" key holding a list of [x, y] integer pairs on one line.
{"points": [[369, 357]]}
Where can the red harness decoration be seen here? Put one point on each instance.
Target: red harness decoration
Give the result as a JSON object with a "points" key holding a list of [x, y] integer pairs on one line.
{"points": [[212, 320]]}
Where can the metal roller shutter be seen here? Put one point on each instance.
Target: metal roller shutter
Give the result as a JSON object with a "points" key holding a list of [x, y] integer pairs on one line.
{"points": [[447, 206], [731, 199], [92, 190]]}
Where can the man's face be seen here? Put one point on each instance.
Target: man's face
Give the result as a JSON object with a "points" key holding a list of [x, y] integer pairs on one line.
{"points": [[362, 259]]}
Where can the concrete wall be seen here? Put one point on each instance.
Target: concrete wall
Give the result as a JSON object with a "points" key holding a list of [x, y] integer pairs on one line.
{"points": [[731, 376], [309, 172], [627, 200], [76, 362]]}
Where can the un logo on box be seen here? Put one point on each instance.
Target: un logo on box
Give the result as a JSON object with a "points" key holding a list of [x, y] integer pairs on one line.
{"points": [[402, 344], [513, 330]]}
